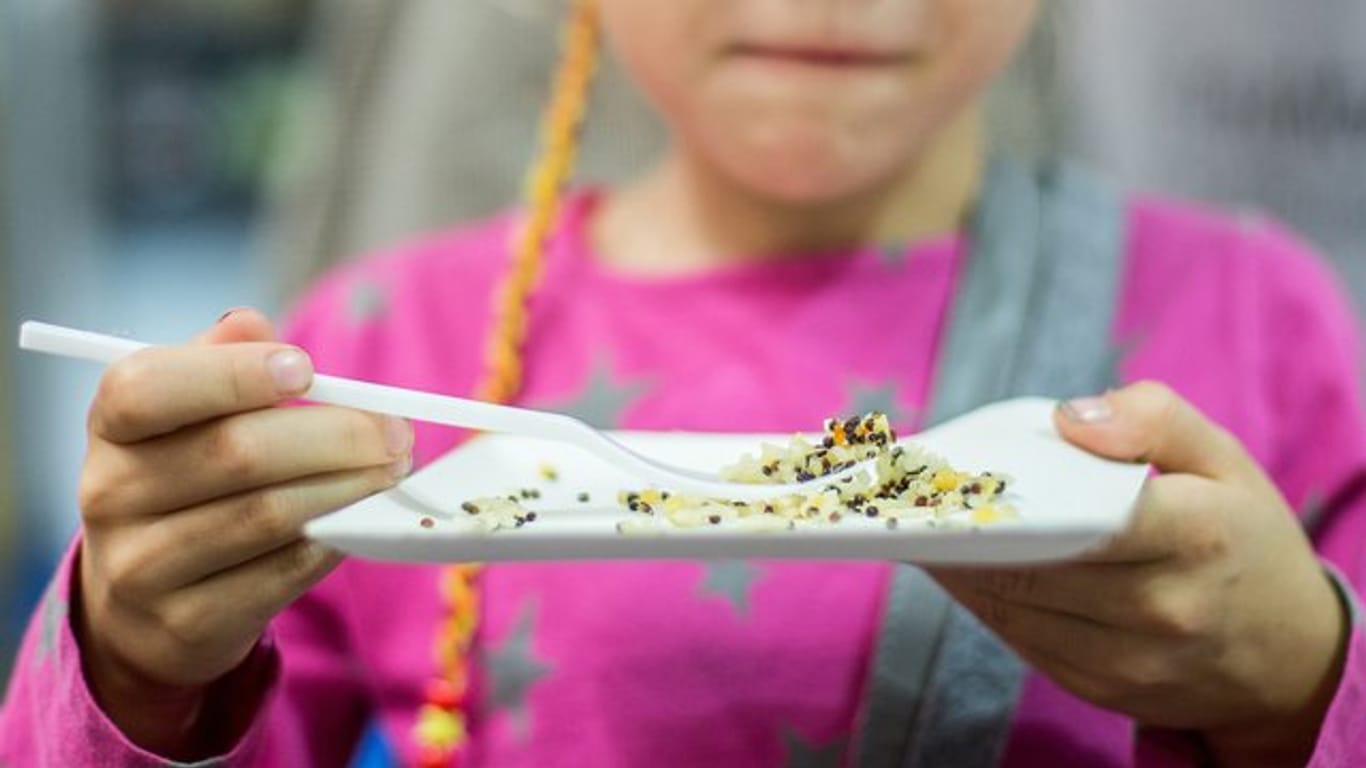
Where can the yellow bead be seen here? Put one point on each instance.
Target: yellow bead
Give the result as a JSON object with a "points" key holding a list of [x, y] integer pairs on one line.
{"points": [[439, 728]]}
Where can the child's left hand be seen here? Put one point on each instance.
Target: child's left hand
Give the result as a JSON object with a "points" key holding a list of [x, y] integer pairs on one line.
{"points": [[1210, 612]]}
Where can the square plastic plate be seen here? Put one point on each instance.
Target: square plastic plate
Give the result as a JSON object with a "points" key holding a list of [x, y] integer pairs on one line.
{"points": [[1067, 501]]}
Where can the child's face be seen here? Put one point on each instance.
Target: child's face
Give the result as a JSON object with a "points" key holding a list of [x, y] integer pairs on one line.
{"points": [[810, 101]]}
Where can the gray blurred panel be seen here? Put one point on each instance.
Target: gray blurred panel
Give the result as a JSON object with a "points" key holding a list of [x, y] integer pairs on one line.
{"points": [[1255, 103], [52, 241]]}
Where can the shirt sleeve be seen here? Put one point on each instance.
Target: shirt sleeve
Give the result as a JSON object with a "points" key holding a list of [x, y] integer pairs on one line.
{"points": [[50, 717]]}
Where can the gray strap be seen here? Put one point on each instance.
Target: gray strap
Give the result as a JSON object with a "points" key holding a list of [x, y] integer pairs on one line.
{"points": [[967, 710], [919, 609], [1032, 315], [981, 344], [1065, 342]]}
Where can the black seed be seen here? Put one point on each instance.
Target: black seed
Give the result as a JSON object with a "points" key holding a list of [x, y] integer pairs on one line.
{"points": [[803, 476], [768, 509], [470, 507], [1001, 488], [828, 442], [663, 494], [714, 519], [583, 497], [975, 488], [871, 511], [634, 506], [530, 517], [767, 470], [646, 508]]}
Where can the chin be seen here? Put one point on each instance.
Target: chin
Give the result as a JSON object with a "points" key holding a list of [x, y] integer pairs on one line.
{"points": [[807, 172]]}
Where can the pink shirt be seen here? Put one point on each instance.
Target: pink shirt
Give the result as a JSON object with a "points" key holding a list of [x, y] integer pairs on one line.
{"points": [[761, 663]]}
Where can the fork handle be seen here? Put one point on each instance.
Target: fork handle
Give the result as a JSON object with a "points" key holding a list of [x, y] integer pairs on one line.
{"points": [[333, 390]]}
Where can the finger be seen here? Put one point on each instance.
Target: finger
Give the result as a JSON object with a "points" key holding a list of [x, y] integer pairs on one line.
{"points": [[1148, 422], [230, 456], [252, 593], [1092, 650], [1150, 599], [238, 325], [162, 389], [196, 543], [1176, 516], [1098, 593]]}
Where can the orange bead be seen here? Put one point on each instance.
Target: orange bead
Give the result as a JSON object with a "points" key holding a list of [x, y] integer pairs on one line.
{"points": [[431, 756], [445, 693]]}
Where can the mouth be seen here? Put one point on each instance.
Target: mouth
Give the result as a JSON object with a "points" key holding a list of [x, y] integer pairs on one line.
{"points": [[818, 56]]}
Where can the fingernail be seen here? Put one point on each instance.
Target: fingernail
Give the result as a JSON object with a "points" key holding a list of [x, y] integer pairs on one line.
{"points": [[291, 371], [229, 314], [400, 469], [398, 435], [1087, 410]]}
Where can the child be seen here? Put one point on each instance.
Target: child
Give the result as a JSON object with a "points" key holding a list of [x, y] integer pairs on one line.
{"points": [[762, 277]]}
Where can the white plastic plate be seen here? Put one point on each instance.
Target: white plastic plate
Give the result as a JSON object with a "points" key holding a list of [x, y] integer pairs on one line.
{"points": [[1068, 500]]}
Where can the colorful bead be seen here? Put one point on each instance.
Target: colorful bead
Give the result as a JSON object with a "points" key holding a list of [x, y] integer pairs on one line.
{"points": [[437, 727], [444, 693], [435, 757]]}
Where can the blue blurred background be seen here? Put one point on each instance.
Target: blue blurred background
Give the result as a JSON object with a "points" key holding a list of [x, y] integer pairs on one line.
{"points": [[163, 160]]}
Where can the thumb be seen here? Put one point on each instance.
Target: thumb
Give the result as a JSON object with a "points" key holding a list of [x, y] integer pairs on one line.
{"points": [[238, 325], [1148, 422]]}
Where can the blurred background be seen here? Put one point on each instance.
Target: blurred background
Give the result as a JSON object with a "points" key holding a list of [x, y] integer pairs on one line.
{"points": [[163, 160]]}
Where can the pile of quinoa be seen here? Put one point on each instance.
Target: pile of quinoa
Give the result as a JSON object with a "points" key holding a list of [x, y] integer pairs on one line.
{"points": [[909, 483]]}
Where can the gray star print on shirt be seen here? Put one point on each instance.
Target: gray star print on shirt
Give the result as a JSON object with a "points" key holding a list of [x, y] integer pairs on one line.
{"points": [[730, 579], [866, 398], [800, 754], [893, 254], [53, 614], [367, 301], [603, 398], [513, 668]]}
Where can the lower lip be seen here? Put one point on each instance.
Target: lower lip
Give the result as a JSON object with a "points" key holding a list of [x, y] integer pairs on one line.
{"points": [[846, 62]]}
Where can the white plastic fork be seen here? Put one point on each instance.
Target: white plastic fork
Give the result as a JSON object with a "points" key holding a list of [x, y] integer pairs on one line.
{"points": [[456, 412]]}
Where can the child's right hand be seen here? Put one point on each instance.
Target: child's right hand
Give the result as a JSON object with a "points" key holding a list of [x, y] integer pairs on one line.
{"points": [[193, 496]]}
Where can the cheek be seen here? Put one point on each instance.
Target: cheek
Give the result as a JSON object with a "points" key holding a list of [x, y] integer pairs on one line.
{"points": [[660, 45]]}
